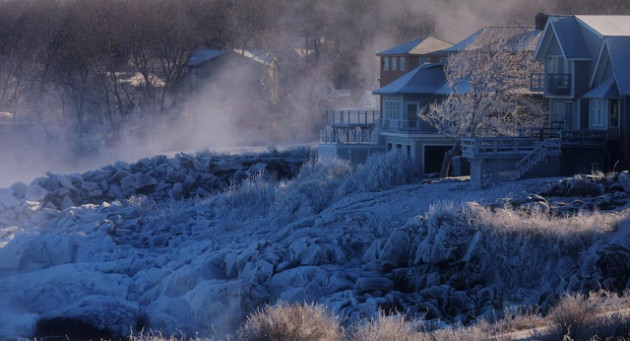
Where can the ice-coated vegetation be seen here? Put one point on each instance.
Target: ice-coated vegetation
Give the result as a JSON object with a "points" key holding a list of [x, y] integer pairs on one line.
{"points": [[362, 242]]}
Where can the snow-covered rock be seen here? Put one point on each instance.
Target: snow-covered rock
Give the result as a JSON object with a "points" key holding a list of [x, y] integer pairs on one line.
{"points": [[153, 242]]}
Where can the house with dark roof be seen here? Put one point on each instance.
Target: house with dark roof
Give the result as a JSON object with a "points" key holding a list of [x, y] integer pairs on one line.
{"points": [[255, 69], [412, 78], [399, 60], [403, 98], [586, 81]]}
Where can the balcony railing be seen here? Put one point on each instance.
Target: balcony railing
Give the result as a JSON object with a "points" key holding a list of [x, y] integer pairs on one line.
{"points": [[555, 82], [401, 125], [351, 117], [473, 147], [559, 82], [584, 137]]}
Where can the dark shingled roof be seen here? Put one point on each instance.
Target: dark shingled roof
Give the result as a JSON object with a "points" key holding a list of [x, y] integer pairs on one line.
{"points": [[425, 79]]}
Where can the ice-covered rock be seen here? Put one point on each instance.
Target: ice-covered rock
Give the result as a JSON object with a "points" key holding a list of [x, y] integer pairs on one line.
{"points": [[35, 192]]}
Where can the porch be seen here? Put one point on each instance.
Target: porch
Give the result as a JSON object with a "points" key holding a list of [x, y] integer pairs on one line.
{"points": [[535, 152]]}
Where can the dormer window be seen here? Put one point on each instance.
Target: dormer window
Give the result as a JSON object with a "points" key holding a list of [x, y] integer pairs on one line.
{"points": [[385, 63], [402, 63], [394, 67]]}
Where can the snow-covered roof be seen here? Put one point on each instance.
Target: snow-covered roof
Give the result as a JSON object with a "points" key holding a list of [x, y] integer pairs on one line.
{"points": [[259, 56], [137, 79], [201, 56], [518, 38], [425, 79], [423, 45], [619, 54], [607, 25]]}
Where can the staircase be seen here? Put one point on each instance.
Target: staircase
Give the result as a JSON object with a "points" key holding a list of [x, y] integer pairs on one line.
{"points": [[548, 148]]}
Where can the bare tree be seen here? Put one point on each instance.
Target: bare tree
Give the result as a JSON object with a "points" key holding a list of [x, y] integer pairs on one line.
{"points": [[490, 95]]}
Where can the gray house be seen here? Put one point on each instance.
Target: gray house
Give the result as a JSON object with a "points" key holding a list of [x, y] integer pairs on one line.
{"points": [[586, 80]]}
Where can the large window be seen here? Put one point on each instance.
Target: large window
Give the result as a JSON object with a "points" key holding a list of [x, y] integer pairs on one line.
{"points": [[402, 63], [392, 109], [597, 114], [385, 63]]}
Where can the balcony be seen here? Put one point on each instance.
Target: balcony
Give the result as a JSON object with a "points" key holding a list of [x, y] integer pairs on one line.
{"points": [[556, 83], [352, 118], [405, 126], [559, 83]]}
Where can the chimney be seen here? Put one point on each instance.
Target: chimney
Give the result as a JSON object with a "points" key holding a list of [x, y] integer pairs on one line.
{"points": [[541, 21]]}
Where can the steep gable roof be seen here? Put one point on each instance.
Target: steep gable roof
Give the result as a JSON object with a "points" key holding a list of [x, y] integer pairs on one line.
{"points": [[619, 52], [569, 37], [423, 45]]}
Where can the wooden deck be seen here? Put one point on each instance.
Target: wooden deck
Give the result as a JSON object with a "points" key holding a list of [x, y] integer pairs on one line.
{"points": [[509, 147]]}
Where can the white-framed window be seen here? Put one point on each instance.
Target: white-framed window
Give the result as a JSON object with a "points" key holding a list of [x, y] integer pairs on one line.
{"points": [[394, 67], [597, 113], [424, 60], [402, 63], [385, 63], [392, 109]]}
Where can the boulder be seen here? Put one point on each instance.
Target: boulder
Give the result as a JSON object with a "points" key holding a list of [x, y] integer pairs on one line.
{"points": [[372, 284], [35, 192], [624, 180], [395, 253]]}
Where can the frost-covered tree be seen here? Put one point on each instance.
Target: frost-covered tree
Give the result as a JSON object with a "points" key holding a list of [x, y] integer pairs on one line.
{"points": [[490, 96]]}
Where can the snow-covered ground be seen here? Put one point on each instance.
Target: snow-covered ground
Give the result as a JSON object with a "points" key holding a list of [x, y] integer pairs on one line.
{"points": [[125, 247]]}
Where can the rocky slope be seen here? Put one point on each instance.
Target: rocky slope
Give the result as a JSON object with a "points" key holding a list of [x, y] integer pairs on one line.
{"points": [[168, 244]]}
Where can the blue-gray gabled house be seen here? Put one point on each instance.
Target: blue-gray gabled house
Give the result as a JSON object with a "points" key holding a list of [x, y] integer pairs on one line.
{"points": [[587, 83]]}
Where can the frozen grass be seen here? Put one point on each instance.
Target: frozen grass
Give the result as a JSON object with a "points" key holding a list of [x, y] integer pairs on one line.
{"points": [[319, 182], [585, 317], [522, 253], [384, 328], [379, 172], [291, 322]]}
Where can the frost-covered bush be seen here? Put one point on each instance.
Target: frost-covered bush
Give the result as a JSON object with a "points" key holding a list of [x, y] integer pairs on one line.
{"points": [[379, 172], [522, 253], [291, 322], [313, 189], [253, 197], [385, 328]]}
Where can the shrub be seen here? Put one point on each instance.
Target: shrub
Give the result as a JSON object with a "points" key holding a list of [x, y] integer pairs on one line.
{"points": [[385, 328], [379, 172], [313, 189], [582, 317], [291, 322], [572, 314]]}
